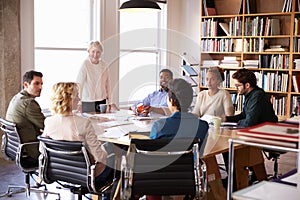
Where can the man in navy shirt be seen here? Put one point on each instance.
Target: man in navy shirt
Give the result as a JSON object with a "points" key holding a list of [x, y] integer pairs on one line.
{"points": [[257, 107], [181, 123]]}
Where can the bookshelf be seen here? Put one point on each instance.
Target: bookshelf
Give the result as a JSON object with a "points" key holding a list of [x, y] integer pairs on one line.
{"points": [[261, 35]]}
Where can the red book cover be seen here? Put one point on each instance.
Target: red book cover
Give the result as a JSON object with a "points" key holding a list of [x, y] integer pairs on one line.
{"points": [[272, 131]]}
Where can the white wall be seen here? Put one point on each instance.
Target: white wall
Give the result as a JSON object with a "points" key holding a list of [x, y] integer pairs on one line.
{"points": [[184, 30]]}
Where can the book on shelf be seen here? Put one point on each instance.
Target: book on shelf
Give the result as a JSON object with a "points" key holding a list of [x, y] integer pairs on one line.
{"points": [[272, 131], [209, 7], [250, 63], [225, 28], [274, 26], [210, 63], [283, 49], [287, 6], [251, 6], [189, 70], [296, 82], [232, 58], [297, 63]]}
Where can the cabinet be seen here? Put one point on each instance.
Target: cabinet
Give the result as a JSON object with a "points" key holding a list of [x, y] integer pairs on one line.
{"points": [[261, 35]]}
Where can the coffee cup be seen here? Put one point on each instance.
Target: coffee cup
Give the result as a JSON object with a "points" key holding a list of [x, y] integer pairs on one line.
{"points": [[102, 108], [216, 122]]}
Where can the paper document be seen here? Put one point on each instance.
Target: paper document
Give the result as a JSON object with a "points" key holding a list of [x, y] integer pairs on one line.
{"points": [[114, 132], [114, 123]]}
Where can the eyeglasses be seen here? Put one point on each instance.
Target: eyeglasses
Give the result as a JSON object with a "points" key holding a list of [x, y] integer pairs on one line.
{"points": [[239, 85]]}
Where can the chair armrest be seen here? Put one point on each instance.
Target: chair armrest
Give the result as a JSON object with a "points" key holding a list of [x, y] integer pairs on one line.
{"points": [[21, 156]]}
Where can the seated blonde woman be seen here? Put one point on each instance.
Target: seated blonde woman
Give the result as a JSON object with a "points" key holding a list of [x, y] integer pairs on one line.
{"points": [[214, 101], [64, 125]]}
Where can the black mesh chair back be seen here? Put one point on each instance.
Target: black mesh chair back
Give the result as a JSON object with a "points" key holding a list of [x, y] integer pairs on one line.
{"points": [[10, 139], [162, 167], [14, 149], [69, 162]]}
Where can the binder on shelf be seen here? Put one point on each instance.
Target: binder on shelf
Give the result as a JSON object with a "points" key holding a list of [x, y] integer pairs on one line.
{"points": [[279, 132], [189, 70]]}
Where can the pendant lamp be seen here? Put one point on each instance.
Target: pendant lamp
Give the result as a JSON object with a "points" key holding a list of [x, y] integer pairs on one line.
{"points": [[139, 5]]}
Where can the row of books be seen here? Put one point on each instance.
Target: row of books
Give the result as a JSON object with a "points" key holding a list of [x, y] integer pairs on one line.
{"points": [[279, 105], [296, 47], [255, 45], [269, 81], [297, 63], [211, 27], [274, 61], [273, 81], [295, 106], [238, 102], [239, 45], [287, 6], [217, 45], [296, 82], [261, 26], [253, 27]]}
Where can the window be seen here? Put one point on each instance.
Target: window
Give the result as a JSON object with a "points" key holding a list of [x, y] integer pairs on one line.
{"points": [[142, 52], [63, 29]]}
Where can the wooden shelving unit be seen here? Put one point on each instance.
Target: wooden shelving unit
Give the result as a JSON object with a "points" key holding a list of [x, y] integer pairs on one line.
{"points": [[248, 38]]}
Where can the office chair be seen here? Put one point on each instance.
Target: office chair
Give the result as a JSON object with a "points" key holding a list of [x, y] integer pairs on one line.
{"points": [[68, 163], [274, 156], [14, 149], [162, 167]]}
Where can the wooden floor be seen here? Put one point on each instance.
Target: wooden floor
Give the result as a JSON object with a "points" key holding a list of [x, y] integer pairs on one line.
{"points": [[11, 174]]}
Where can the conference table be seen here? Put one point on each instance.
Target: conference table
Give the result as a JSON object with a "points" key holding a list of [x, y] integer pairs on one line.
{"points": [[119, 127]]}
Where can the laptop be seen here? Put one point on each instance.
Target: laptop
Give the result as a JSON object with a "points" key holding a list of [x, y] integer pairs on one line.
{"points": [[94, 106]]}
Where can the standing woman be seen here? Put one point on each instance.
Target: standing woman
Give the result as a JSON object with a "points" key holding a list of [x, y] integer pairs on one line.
{"points": [[93, 76], [214, 101]]}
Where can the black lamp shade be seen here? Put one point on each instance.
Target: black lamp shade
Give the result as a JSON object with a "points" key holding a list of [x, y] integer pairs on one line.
{"points": [[139, 4]]}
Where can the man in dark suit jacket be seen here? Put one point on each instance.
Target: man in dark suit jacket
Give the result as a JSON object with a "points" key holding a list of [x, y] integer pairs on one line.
{"points": [[25, 111]]}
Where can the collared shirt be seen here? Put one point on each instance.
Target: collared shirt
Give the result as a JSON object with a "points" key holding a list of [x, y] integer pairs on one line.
{"points": [[94, 81], [179, 125], [156, 99], [257, 109]]}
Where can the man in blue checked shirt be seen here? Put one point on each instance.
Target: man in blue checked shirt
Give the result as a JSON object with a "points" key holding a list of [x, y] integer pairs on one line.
{"points": [[157, 100]]}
